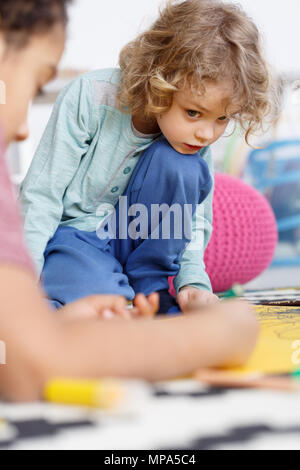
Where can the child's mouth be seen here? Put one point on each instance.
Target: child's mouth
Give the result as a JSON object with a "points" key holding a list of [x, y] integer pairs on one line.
{"points": [[193, 147]]}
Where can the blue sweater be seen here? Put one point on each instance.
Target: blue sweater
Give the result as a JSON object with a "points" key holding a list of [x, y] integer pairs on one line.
{"points": [[85, 159]]}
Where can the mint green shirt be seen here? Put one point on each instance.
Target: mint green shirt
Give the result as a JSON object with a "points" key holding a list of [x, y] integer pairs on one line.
{"points": [[85, 159]]}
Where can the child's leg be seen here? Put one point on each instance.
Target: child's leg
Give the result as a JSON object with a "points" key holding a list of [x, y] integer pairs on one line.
{"points": [[162, 176], [78, 264]]}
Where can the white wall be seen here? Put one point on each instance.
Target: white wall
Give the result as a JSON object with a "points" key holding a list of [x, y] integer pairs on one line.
{"points": [[99, 28]]}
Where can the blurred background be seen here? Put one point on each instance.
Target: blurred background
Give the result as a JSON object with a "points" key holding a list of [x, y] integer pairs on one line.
{"points": [[97, 32]]}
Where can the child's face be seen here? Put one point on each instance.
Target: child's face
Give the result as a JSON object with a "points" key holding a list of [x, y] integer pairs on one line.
{"points": [[195, 121], [22, 73]]}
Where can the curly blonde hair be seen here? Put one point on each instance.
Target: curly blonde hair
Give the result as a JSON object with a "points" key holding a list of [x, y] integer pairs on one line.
{"points": [[193, 42]]}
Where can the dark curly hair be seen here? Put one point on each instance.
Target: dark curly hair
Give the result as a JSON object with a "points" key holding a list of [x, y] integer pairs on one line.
{"points": [[19, 19]]}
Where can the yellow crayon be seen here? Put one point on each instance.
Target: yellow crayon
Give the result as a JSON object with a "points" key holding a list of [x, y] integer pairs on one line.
{"points": [[105, 393]]}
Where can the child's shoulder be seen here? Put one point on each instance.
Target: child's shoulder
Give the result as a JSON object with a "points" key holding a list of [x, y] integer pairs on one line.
{"points": [[98, 87], [205, 153], [109, 75]]}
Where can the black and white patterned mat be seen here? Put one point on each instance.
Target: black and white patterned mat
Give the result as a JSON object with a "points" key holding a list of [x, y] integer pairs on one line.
{"points": [[288, 297], [173, 415]]}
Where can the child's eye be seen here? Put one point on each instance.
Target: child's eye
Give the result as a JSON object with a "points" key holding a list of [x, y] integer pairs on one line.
{"points": [[223, 118], [193, 114]]}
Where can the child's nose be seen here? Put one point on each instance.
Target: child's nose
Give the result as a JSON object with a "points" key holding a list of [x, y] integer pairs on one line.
{"points": [[205, 133], [23, 132]]}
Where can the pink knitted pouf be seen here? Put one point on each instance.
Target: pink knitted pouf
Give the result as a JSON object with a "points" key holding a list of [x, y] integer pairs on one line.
{"points": [[244, 234]]}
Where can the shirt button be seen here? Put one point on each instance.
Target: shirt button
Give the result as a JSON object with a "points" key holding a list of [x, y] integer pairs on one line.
{"points": [[127, 170], [115, 189]]}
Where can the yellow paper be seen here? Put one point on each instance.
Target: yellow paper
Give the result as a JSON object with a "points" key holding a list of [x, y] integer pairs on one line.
{"points": [[278, 347]]}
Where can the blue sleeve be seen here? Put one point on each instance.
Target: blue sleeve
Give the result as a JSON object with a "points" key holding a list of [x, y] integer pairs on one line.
{"points": [[64, 143], [192, 268]]}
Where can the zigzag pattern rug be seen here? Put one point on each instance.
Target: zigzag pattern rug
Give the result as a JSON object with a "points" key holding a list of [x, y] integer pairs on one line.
{"points": [[181, 414]]}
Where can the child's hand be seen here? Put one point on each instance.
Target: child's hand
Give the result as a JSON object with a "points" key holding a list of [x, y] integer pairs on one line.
{"points": [[190, 298], [110, 306], [94, 306], [145, 307]]}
